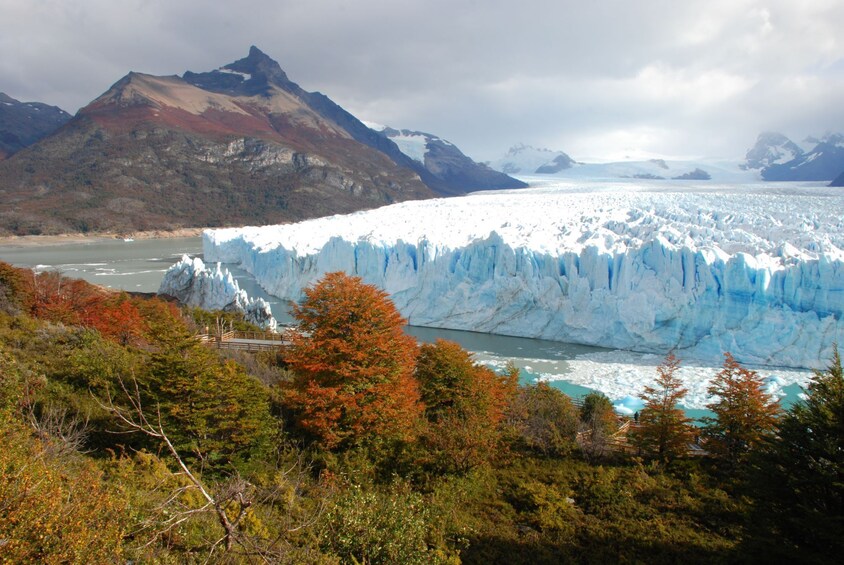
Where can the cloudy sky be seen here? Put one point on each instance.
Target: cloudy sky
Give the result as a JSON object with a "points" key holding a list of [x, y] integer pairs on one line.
{"points": [[601, 79]]}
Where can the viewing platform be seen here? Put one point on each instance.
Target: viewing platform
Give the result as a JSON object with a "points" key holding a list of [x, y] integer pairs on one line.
{"points": [[245, 341]]}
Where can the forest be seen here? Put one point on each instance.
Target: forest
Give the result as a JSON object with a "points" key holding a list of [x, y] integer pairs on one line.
{"points": [[127, 439]]}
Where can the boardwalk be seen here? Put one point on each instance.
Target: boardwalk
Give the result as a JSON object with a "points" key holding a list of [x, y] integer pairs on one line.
{"points": [[245, 341]]}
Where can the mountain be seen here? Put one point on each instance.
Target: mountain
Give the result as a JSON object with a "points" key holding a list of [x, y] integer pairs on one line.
{"points": [[448, 165], [839, 180], [238, 145], [527, 160], [823, 163], [24, 123], [771, 148], [780, 159]]}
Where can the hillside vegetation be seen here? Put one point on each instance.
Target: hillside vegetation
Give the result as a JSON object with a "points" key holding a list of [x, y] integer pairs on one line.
{"points": [[127, 439]]}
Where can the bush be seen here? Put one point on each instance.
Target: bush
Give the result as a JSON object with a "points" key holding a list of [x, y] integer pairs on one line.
{"points": [[545, 419]]}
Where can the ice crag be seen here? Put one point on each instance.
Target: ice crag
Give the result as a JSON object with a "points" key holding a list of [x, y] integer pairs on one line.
{"points": [[194, 284], [702, 268]]}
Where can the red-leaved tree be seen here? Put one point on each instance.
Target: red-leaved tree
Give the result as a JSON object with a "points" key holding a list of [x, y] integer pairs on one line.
{"points": [[744, 414], [353, 364], [664, 431]]}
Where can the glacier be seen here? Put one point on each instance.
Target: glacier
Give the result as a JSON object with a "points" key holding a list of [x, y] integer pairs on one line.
{"points": [[191, 282], [698, 268]]}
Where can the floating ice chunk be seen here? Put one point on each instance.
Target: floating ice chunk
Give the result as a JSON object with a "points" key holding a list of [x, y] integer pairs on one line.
{"points": [[192, 283]]}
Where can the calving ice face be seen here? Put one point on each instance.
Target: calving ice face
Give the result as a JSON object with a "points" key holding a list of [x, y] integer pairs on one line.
{"points": [[642, 266]]}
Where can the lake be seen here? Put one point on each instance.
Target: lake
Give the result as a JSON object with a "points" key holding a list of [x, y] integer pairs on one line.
{"points": [[576, 369]]}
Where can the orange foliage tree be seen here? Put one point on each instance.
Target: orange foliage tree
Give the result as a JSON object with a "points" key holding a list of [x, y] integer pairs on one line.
{"points": [[118, 319], [52, 296], [664, 430], [353, 364], [744, 414], [464, 405]]}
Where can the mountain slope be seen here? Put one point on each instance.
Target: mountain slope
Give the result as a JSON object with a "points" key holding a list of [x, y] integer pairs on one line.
{"points": [[779, 159], [24, 123], [771, 148], [452, 171], [824, 162], [238, 145]]}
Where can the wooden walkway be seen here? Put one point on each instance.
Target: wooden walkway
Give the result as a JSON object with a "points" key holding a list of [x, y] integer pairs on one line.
{"points": [[245, 341]]}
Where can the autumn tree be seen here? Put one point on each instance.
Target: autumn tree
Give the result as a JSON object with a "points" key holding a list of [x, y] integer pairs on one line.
{"points": [[15, 295], [744, 414], [797, 477], [464, 405], [353, 364], [546, 419], [664, 430], [118, 319]]}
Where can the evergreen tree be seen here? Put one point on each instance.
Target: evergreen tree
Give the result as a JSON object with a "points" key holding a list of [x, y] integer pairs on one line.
{"points": [[213, 408], [664, 431], [798, 477], [598, 422], [354, 365], [744, 414]]}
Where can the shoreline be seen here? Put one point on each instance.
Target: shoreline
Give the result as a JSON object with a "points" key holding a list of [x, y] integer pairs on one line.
{"points": [[72, 238]]}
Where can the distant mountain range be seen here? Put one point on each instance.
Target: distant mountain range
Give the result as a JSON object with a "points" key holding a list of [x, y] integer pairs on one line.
{"points": [[779, 159], [24, 123], [243, 144], [774, 157], [524, 159], [235, 146]]}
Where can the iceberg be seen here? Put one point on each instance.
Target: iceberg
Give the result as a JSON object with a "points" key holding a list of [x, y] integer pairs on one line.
{"points": [[194, 284], [650, 267]]}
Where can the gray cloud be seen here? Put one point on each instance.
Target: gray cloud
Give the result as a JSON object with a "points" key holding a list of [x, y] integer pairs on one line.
{"points": [[596, 79]]}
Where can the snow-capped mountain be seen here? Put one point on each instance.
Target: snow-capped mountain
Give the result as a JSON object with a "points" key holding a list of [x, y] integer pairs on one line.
{"points": [[527, 161], [777, 158], [524, 159], [771, 148], [445, 162], [661, 170], [700, 268], [824, 162]]}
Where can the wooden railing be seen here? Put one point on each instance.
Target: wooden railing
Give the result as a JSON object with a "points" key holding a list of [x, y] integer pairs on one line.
{"points": [[263, 336], [245, 341]]}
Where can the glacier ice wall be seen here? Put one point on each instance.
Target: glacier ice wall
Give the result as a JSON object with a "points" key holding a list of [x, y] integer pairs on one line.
{"points": [[194, 284], [756, 274]]}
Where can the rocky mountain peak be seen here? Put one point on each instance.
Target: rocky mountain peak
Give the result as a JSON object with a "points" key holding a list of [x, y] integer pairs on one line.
{"points": [[260, 65], [771, 148], [252, 75]]}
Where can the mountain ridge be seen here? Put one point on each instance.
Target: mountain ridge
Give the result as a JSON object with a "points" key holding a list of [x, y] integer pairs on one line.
{"points": [[25, 123], [238, 145]]}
